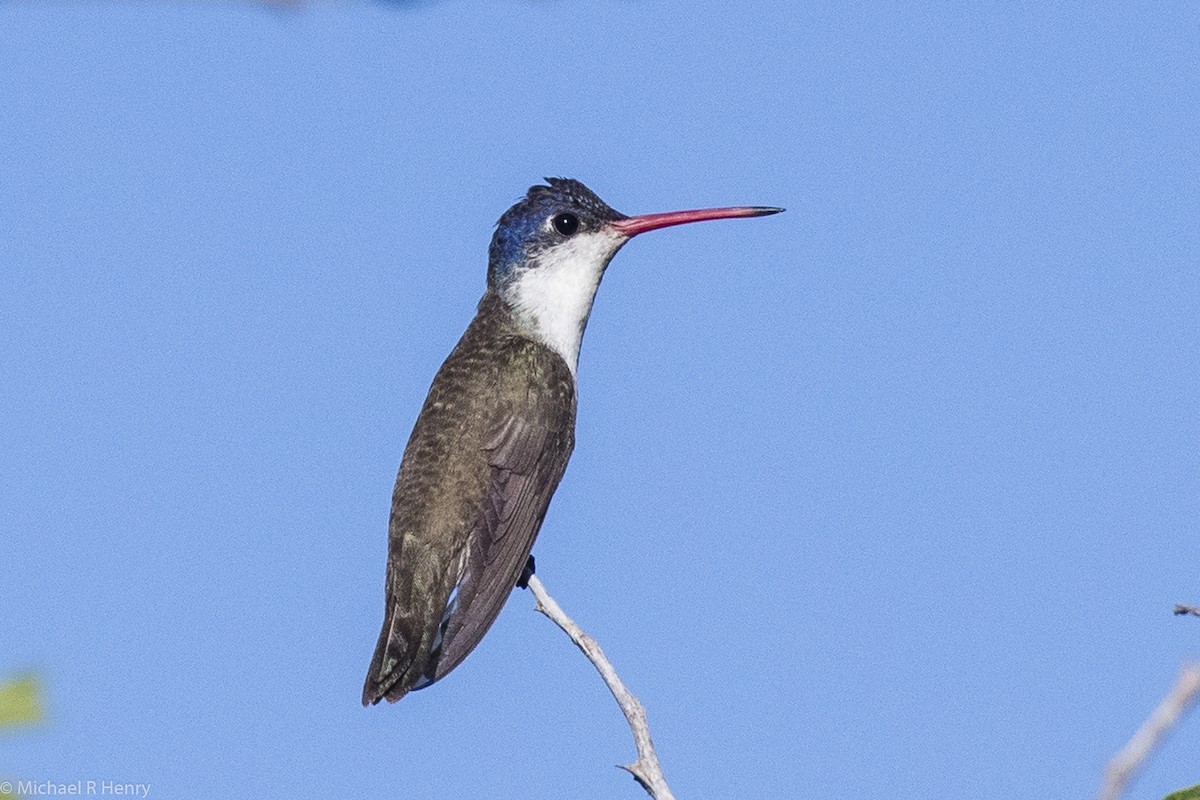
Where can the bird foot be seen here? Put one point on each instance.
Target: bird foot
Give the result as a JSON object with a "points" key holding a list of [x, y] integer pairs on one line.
{"points": [[526, 574]]}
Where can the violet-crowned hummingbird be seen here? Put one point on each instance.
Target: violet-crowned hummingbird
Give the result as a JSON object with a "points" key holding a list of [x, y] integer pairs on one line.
{"points": [[496, 432]]}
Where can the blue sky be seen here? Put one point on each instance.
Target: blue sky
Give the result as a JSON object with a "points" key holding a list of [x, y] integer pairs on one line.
{"points": [[890, 495]]}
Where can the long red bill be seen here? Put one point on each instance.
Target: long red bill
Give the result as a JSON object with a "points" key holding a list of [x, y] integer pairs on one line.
{"points": [[632, 226]]}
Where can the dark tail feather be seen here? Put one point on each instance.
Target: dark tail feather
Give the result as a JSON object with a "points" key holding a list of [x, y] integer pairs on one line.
{"points": [[395, 667]]}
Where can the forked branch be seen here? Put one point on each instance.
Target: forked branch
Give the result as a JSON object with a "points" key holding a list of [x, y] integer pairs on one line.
{"points": [[646, 769]]}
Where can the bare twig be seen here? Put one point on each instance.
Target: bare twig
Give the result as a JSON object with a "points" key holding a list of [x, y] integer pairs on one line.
{"points": [[646, 770], [1133, 755], [1191, 610]]}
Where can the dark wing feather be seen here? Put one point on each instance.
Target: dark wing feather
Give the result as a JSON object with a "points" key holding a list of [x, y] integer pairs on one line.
{"points": [[528, 457]]}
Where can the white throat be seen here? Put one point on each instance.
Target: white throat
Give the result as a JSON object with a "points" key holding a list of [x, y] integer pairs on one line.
{"points": [[554, 295]]}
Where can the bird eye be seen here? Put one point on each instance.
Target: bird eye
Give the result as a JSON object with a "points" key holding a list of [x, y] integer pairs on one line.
{"points": [[566, 224]]}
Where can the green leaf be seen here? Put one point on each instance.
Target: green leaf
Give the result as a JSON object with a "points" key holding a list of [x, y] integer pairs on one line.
{"points": [[1185, 794], [20, 702]]}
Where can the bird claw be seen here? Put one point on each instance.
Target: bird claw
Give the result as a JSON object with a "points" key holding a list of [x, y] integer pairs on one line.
{"points": [[526, 574]]}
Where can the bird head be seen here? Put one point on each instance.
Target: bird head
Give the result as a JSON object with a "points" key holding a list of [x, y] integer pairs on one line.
{"points": [[550, 251]]}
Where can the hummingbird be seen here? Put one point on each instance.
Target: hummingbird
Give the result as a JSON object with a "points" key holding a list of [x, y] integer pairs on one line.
{"points": [[493, 439]]}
